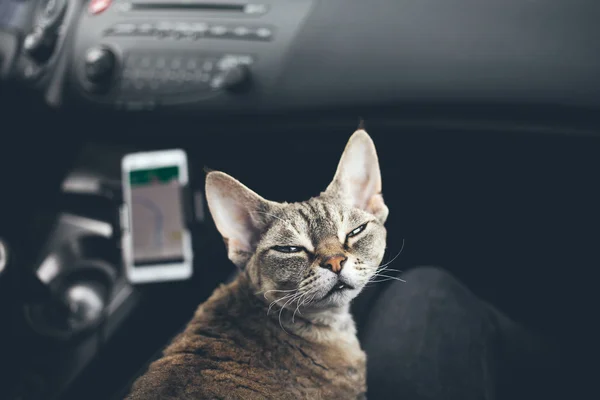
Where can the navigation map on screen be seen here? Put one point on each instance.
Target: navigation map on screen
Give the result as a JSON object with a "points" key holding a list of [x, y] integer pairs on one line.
{"points": [[156, 216]]}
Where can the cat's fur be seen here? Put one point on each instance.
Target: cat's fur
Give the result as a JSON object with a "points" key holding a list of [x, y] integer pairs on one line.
{"points": [[305, 345]]}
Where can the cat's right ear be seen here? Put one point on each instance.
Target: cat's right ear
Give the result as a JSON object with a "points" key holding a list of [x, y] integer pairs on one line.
{"points": [[357, 181], [238, 213]]}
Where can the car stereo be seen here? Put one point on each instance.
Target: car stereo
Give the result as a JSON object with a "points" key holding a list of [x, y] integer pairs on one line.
{"points": [[131, 54]]}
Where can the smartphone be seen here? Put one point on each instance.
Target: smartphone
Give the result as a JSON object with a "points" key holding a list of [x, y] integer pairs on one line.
{"points": [[156, 241]]}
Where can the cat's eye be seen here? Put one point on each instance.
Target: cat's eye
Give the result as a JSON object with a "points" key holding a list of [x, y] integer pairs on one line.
{"points": [[288, 249], [357, 231]]}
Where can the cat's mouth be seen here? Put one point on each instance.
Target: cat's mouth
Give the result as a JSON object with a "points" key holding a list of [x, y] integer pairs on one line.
{"points": [[339, 287]]}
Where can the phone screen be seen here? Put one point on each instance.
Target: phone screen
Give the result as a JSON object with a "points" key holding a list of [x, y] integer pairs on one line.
{"points": [[157, 220]]}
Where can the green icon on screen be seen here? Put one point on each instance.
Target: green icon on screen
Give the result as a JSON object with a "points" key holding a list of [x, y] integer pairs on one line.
{"points": [[156, 175]]}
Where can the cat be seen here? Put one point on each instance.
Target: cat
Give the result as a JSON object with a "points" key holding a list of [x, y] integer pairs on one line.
{"points": [[282, 328]]}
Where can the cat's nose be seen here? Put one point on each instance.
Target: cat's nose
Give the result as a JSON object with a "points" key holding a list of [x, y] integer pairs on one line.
{"points": [[334, 263]]}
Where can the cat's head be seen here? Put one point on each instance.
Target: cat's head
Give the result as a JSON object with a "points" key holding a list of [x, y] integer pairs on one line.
{"points": [[316, 254]]}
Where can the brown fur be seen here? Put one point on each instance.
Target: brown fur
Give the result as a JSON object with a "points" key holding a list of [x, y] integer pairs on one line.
{"points": [[232, 350]]}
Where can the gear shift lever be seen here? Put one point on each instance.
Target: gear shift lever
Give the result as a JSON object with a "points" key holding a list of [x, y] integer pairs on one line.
{"points": [[36, 291], [68, 294]]}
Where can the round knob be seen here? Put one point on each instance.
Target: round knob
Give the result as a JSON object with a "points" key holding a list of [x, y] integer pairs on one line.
{"points": [[39, 44], [100, 66], [234, 77]]}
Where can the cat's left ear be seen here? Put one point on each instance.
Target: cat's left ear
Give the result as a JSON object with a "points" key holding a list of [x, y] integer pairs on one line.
{"points": [[239, 214], [357, 181]]}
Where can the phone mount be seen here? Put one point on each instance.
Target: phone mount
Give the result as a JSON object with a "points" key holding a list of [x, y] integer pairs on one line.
{"points": [[187, 207]]}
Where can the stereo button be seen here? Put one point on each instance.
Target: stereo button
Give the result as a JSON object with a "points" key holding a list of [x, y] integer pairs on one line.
{"points": [[145, 29], [161, 63], [256, 9], [146, 74], [231, 60], [176, 63], [227, 62], [264, 33], [123, 29], [218, 31], [189, 77], [198, 29], [164, 29], [145, 62], [183, 30], [199, 79], [180, 77], [208, 66], [163, 76], [241, 31], [192, 64]]}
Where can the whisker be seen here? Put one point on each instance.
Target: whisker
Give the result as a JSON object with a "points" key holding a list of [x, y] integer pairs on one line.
{"points": [[311, 299], [297, 307], [278, 300], [381, 274], [276, 290], [303, 299], [396, 256], [390, 270], [280, 311], [387, 278]]}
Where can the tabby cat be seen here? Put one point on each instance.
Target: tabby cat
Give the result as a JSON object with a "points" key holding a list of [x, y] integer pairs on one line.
{"points": [[282, 329]]}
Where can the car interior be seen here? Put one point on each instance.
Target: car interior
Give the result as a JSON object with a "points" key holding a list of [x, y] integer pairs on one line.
{"points": [[485, 115]]}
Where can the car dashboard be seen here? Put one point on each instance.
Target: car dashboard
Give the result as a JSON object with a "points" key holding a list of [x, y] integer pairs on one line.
{"points": [[227, 56]]}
